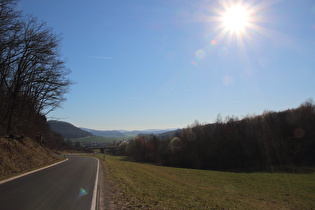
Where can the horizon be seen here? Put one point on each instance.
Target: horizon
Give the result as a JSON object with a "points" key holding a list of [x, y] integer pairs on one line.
{"points": [[196, 121], [141, 65], [113, 129], [122, 130]]}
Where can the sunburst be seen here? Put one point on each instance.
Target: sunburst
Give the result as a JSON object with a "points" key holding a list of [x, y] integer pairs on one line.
{"points": [[236, 19]]}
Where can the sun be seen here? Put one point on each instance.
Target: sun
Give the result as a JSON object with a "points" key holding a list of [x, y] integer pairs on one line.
{"points": [[235, 19], [238, 20]]}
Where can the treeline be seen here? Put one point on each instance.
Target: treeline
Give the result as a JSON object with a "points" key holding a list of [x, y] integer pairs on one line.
{"points": [[33, 77], [271, 140]]}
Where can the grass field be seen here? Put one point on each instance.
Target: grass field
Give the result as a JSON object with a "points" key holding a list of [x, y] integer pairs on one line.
{"points": [[137, 185], [97, 139]]}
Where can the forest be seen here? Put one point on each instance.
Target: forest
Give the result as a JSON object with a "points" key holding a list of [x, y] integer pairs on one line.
{"points": [[33, 76], [270, 141]]}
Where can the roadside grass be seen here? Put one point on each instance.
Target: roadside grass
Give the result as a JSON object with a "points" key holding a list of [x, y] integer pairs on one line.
{"points": [[147, 186]]}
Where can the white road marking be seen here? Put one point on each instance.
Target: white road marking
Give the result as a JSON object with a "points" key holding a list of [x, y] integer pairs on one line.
{"points": [[19, 176], [94, 199]]}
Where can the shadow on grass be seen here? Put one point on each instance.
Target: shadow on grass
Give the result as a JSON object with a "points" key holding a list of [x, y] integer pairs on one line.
{"points": [[271, 169]]}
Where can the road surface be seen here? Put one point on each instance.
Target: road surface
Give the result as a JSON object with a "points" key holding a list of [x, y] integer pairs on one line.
{"points": [[69, 185]]}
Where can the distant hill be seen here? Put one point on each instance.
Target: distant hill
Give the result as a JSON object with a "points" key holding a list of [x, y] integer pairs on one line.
{"points": [[67, 130], [124, 133], [108, 134], [169, 134], [70, 131]]}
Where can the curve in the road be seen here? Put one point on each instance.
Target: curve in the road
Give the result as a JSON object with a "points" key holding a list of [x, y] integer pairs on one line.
{"points": [[69, 185]]}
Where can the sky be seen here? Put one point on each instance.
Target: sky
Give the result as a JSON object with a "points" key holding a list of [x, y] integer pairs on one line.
{"points": [[157, 64]]}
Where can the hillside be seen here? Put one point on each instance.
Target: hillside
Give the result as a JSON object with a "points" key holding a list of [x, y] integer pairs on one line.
{"points": [[67, 130], [107, 134], [272, 140], [23, 155], [124, 133]]}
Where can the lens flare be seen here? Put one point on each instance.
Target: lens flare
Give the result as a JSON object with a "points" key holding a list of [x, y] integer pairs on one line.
{"points": [[82, 192], [200, 54], [194, 63]]}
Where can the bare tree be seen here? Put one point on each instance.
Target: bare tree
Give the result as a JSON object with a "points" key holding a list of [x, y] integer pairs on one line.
{"points": [[32, 73]]}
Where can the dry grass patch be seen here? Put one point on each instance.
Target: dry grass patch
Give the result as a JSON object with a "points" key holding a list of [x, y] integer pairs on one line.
{"points": [[18, 157]]}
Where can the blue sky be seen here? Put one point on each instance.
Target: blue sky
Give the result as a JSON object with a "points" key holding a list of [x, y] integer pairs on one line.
{"points": [[141, 64]]}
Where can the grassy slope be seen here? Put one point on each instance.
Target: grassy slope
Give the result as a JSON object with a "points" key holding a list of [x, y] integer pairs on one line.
{"points": [[17, 157], [146, 186]]}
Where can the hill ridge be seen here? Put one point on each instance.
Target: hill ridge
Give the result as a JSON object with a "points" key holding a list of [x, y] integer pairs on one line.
{"points": [[67, 130], [126, 133]]}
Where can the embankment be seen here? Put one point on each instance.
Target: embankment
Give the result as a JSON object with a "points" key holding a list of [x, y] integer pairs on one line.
{"points": [[18, 156]]}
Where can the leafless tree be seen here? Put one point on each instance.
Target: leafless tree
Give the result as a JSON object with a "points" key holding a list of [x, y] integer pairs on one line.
{"points": [[33, 75]]}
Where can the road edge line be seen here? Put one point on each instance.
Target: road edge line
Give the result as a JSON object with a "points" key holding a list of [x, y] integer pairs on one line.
{"points": [[94, 198], [30, 172]]}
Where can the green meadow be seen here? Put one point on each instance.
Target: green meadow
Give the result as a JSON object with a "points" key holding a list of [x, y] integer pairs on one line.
{"points": [[97, 139], [147, 186]]}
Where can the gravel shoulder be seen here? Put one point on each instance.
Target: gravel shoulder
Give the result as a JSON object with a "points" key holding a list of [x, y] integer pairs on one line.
{"points": [[107, 192]]}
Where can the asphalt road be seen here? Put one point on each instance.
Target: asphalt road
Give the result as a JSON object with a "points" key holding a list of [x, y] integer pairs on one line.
{"points": [[68, 185]]}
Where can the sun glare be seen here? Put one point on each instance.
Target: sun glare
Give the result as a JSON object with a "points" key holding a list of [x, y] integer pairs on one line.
{"points": [[235, 19]]}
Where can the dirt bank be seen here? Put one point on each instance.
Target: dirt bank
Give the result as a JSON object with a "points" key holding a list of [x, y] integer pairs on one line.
{"points": [[22, 155]]}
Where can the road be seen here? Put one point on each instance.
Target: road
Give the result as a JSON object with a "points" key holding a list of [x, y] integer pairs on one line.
{"points": [[69, 185]]}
